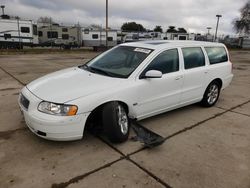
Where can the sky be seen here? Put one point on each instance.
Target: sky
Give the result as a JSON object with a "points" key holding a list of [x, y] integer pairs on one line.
{"points": [[193, 15]]}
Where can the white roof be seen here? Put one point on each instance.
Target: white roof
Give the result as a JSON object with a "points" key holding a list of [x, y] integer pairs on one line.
{"points": [[159, 44]]}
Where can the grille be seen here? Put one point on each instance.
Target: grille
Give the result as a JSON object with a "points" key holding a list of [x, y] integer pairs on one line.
{"points": [[24, 101]]}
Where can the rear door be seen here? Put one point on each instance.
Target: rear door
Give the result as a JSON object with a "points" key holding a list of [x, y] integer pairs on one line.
{"points": [[195, 71]]}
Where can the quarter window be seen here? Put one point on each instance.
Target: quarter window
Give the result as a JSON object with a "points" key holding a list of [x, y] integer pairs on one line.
{"points": [[216, 54], [193, 57], [166, 62], [25, 29]]}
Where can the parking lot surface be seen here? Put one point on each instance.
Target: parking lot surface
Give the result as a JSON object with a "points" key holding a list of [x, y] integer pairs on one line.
{"points": [[204, 147]]}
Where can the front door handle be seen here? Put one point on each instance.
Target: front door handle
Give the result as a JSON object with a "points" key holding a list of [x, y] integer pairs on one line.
{"points": [[178, 77]]}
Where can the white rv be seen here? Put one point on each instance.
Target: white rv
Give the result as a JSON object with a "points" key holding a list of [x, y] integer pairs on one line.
{"points": [[59, 35], [141, 36], [16, 32], [97, 38]]}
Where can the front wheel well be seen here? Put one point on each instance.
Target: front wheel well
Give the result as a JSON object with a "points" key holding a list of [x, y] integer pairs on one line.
{"points": [[95, 117]]}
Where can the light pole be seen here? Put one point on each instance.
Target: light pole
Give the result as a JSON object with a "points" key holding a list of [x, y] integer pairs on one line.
{"points": [[218, 19], [107, 23], [2, 7]]}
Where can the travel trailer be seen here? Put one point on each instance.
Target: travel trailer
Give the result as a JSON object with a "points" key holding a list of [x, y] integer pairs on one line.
{"points": [[16, 32], [58, 35], [96, 37]]}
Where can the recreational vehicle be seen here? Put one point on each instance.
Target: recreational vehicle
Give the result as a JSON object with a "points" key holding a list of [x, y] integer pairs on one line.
{"points": [[97, 38], [58, 35], [141, 36], [16, 32]]}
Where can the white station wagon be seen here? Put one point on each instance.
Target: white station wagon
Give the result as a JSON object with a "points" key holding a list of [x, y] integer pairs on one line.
{"points": [[130, 81]]}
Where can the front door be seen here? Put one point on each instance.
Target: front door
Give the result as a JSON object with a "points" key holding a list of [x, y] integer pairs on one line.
{"points": [[156, 95]]}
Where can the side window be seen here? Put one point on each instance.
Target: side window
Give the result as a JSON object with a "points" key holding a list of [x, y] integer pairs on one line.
{"points": [[65, 36], [64, 29], [52, 34], [216, 54], [95, 36], [7, 36], [25, 29], [166, 62], [34, 29], [40, 33], [193, 57], [110, 38]]}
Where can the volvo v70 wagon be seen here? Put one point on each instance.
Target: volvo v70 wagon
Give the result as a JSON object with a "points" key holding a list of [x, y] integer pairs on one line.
{"points": [[130, 81]]}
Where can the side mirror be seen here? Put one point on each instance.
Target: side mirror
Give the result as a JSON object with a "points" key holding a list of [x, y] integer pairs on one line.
{"points": [[153, 74]]}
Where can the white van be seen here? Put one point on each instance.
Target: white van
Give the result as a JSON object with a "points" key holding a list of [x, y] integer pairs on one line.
{"points": [[132, 80]]}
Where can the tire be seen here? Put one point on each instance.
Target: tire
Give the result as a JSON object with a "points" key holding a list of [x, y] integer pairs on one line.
{"points": [[211, 94], [116, 123]]}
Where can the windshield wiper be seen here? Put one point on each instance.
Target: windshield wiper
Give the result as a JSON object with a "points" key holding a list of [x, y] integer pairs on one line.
{"points": [[86, 67], [100, 71]]}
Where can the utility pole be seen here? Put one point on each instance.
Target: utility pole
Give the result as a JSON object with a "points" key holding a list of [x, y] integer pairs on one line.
{"points": [[50, 24], [218, 19], [2, 7], [19, 36], [106, 23]]}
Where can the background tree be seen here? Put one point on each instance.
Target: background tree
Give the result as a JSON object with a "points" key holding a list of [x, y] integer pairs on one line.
{"points": [[132, 26], [45, 20], [182, 30], [242, 24], [171, 29], [158, 29]]}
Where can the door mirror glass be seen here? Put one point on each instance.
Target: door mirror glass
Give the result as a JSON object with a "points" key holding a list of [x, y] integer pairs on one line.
{"points": [[153, 74]]}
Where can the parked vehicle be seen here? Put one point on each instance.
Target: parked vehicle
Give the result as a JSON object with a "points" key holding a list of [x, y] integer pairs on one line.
{"points": [[96, 38], [58, 35], [130, 81], [16, 32]]}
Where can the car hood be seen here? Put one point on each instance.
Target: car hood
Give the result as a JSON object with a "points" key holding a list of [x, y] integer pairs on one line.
{"points": [[69, 84]]}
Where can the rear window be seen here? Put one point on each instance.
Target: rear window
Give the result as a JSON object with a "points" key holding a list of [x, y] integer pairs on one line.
{"points": [[216, 54], [193, 57]]}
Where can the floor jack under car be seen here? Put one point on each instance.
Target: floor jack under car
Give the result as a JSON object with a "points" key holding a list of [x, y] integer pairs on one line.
{"points": [[146, 136]]}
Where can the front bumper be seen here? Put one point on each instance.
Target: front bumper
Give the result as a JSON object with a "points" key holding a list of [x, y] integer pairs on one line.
{"points": [[51, 127]]}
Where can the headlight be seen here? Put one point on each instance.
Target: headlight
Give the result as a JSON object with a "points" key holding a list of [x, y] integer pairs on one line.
{"points": [[57, 109]]}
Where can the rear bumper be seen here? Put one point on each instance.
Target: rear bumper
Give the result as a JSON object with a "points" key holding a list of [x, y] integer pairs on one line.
{"points": [[51, 127], [227, 81]]}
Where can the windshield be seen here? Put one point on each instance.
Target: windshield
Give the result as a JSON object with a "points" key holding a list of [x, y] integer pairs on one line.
{"points": [[119, 62]]}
